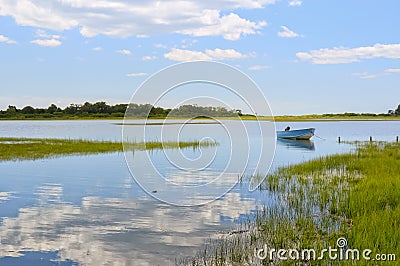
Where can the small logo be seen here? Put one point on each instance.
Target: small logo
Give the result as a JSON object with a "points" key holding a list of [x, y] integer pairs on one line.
{"points": [[341, 242]]}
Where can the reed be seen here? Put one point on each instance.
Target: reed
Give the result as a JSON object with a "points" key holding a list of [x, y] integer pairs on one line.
{"points": [[37, 148], [355, 195]]}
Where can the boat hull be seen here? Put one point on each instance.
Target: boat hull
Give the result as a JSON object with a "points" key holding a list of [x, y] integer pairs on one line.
{"points": [[302, 134]]}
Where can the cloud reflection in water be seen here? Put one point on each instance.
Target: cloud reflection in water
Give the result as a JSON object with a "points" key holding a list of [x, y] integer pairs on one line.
{"points": [[115, 231]]}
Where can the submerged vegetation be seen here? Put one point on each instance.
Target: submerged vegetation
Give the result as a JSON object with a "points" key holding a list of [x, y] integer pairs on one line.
{"points": [[355, 196], [35, 148]]}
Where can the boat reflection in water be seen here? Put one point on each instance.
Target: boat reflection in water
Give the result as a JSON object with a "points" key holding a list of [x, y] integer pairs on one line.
{"points": [[297, 144]]}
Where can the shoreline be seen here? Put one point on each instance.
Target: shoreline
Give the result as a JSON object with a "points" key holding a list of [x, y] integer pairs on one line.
{"points": [[260, 118]]}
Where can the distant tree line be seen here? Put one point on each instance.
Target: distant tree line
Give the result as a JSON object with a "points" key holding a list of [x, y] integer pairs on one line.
{"points": [[103, 110], [195, 110], [98, 109], [348, 114]]}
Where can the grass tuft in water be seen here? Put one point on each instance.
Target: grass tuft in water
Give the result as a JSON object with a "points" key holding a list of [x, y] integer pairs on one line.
{"points": [[36, 148]]}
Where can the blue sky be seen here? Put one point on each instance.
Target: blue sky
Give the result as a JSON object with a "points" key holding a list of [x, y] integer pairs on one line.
{"points": [[307, 56]]}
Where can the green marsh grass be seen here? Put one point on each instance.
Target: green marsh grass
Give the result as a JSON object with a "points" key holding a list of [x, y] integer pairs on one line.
{"points": [[36, 148], [355, 195]]}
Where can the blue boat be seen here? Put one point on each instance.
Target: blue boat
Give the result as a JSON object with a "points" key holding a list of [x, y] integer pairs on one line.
{"points": [[305, 133]]}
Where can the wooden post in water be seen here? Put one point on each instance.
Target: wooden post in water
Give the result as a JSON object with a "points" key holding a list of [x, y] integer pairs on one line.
{"points": [[370, 139], [339, 139]]}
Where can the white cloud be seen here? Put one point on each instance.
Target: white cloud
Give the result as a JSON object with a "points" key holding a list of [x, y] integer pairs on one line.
{"points": [[392, 70], [287, 33], [6, 39], [123, 18], [295, 3], [139, 74], [160, 46], [228, 54], [386, 72], [149, 57], [47, 43], [44, 35], [259, 67], [5, 196], [188, 43], [181, 55], [231, 26], [46, 40], [97, 49], [124, 52], [344, 55], [366, 75]]}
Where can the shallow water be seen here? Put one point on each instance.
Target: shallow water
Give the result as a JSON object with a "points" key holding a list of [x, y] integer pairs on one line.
{"points": [[88, 210]]}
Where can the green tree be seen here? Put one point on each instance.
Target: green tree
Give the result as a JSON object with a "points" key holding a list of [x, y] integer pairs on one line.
{"points": [[52, 109], [12, 109], [28, 110], [139, 110], [88, 108], [158, 112], [101, 108], [72, 109], [119, 108]]}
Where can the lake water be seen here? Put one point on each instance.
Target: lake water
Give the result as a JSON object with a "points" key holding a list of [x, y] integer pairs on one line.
{"points": [[88, 210]]}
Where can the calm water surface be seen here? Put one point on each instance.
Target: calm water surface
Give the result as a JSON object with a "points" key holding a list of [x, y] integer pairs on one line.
{"points": [[88, 210]]}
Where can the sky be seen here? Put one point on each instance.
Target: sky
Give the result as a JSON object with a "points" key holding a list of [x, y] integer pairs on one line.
{"points": [[307, 56]]}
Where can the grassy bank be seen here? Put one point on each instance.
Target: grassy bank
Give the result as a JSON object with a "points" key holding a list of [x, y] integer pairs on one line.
{"points": [[324, 117], [33, 148], [355, 196]]}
